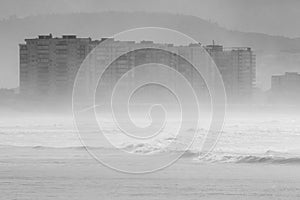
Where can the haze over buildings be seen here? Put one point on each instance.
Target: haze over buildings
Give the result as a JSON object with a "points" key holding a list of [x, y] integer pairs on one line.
{"points": [[48, 65], [285, 88], [274, 54], [238, 69]]}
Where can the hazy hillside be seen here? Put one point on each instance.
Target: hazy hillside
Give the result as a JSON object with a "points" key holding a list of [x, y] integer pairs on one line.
{"points": [[275, 54]]}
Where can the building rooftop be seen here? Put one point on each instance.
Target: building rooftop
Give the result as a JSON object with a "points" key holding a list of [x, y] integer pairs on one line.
{"points": [[69, 36], [286, 74], [45, 36]]}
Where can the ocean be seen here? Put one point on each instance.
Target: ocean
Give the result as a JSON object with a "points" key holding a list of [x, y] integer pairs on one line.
{"points": [[256, 157]]}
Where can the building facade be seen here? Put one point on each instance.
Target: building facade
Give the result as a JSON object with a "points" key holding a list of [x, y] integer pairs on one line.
{"points": [[48, 65], [238, 69], [285, 88]]}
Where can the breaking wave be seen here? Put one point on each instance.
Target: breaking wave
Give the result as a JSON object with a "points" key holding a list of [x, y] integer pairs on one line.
{"points": [[268, 157]]}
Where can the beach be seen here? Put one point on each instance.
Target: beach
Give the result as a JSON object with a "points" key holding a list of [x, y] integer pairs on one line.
{"points": [[43, 160], [80, 177]]}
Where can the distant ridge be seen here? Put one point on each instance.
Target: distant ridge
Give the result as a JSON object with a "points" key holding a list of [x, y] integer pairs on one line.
{"points": [[96, 25]]}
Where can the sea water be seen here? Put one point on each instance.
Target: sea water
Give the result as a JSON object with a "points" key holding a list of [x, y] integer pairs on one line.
{"points": [[255, 158]]}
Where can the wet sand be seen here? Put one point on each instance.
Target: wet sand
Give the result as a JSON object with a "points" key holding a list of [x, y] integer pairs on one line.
{"points": [[74, 175]]}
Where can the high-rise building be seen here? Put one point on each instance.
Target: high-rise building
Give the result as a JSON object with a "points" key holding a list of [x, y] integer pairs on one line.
{"points": [[148, 52], [285, 88], [238, 69], [49, 65]]}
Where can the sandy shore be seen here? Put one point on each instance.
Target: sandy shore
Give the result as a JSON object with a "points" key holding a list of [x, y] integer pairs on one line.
{"points": [[26, 176], [43, 170]]}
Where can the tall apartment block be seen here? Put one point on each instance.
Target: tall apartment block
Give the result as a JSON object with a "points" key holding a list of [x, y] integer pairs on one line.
{"points": [[285, 88], [48, 65], [111, 48], [238, 69]]}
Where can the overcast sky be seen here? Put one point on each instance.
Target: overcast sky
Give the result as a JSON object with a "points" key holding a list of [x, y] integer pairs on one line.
{"points": [[276, 17]]}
